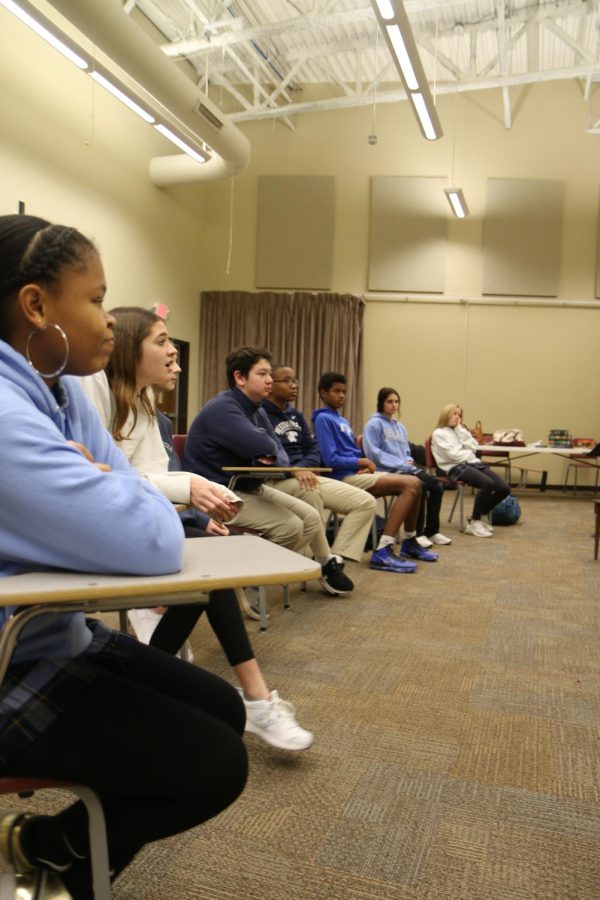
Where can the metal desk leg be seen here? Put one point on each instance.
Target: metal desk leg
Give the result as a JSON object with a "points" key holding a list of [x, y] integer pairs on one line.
{"points": [[262, 607]]}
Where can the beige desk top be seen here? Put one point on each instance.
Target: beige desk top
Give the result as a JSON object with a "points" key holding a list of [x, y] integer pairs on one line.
{"points": [[258, 470], [530, 450], [209, 564]]}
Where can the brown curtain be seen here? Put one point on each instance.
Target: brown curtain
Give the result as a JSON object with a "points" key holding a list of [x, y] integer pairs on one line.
{"points": [[313, 333]]}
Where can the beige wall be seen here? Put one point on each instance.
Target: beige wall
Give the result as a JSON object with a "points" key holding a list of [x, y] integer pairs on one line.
{"points": [[73, 154]]}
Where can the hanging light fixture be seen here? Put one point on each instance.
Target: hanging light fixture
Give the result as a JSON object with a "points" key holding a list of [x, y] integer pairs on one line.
{"points": [[457, 202], [397, 32], [30, 16]]}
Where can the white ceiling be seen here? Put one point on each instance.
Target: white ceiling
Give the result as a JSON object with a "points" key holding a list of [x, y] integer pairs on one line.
{"points": [[260, 57]]}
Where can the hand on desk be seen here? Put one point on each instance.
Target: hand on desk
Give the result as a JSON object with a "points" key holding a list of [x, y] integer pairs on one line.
{"points": [[85, 452], [209, 498], [307, 480]]}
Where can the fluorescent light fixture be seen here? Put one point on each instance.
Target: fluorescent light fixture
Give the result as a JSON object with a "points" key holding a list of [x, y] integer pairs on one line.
{"points": [[122, 96], [38, 24], [30, 16], [423, 114], [457, 202], [393, 21], [386, 10], [175, 139], [403, 57]]}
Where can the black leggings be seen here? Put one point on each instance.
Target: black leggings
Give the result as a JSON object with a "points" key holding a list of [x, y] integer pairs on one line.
{"points": [[223, 613], [431, 501], [491, 488], [157, 739]]}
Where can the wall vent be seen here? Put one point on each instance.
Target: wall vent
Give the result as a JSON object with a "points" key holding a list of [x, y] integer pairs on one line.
{"points": [[207, 114]]}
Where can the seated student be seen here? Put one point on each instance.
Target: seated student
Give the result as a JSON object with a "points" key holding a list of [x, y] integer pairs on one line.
{"points": [[454, 450], [232, 429], [356, 506], [145, 356], [385, 441], [339, 451], [80, 702]]}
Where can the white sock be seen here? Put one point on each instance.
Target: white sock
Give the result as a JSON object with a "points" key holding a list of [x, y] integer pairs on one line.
{"points": [[385, 541], [410, 534]]}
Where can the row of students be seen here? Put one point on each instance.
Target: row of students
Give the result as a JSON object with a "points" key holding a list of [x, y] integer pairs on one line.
{"points": [[235, 429]]}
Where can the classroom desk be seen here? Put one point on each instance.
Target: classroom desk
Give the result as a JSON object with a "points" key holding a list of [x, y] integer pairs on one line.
{"points": [[208, 565], [267, 473], [529, 450]]}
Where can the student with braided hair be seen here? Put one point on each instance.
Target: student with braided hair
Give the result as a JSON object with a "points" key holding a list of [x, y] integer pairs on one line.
{"points": [[80, 702]]}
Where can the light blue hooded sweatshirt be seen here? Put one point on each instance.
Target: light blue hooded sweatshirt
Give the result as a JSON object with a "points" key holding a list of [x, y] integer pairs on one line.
{"points": [[385, 441], [58, 510]]}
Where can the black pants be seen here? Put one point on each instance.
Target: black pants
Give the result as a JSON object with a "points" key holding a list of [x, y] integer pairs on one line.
{"points": [[431, 502], [491, 489], [157, 739], [223, 613]]}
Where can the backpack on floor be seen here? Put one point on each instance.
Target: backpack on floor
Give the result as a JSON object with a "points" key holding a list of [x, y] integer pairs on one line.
{"points": [[507, 512]]}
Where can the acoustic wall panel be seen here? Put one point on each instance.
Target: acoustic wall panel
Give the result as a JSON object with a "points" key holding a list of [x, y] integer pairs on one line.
{"points": [[407, 240], [294, 236], [522, 237]]}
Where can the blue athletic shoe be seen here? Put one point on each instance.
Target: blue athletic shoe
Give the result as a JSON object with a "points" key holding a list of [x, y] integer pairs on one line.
{"points": [[409, 547], [386, 561]]}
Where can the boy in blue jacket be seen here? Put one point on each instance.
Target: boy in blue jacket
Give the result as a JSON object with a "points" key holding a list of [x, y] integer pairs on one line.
{"points": [[339, 451]]}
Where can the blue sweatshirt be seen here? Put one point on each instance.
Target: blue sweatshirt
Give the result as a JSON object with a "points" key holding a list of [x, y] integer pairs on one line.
{"points": [[290, 427], [230, 430], [336, 442], [385, 441], [57, 510]]}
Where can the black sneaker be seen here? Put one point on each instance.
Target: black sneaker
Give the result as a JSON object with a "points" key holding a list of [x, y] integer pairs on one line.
{"points": [[333, 579]]}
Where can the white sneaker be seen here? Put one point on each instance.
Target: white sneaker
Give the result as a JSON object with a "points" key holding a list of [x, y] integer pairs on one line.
{"points": [[274, 721], [424, 542], [440, 538], [477, 528], [143, 622], [488, 526], [186, 653]]}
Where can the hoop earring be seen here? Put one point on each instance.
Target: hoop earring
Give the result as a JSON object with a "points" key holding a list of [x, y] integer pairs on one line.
{"points": [[61, 368]]}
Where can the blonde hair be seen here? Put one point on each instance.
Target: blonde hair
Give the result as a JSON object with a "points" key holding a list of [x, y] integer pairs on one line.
{"points": [[446, 414]]}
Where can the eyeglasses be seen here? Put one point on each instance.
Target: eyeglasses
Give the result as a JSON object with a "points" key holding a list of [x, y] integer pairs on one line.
{"points": [[289, 381]]}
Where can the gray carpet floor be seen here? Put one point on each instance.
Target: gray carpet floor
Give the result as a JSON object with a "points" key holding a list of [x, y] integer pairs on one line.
{"points": [[456, 715]]}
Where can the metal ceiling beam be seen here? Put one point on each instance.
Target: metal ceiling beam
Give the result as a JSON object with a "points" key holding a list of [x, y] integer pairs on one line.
{"points": [[548, 11], [398, 95], [194, 46]]}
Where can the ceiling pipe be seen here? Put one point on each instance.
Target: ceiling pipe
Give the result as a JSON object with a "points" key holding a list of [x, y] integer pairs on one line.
{"points": [[115, 34]]}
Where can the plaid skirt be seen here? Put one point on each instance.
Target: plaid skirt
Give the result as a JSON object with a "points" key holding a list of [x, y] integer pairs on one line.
{"points": [[34, 694]]}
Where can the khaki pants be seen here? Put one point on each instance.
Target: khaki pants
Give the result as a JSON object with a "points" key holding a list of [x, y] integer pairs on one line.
{"points": [[284, 520], [356, 506]]}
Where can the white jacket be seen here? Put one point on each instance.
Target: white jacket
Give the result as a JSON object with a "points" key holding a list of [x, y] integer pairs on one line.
{"points": [[453, 446], [143, 445]]}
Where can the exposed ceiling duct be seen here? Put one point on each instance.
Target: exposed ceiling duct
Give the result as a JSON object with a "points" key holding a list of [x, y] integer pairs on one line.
{"points": [[108, 28]]}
